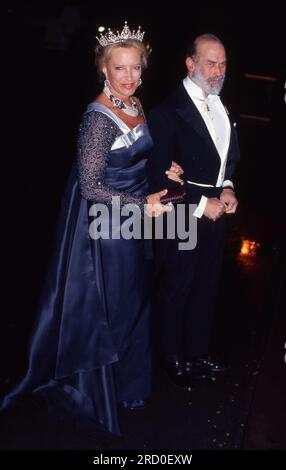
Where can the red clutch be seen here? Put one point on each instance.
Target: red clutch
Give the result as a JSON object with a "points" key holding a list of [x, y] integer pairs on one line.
{"points": [[174, 195]]}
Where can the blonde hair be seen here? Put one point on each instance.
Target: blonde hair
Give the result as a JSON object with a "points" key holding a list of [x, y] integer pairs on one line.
{"points": [[102, 54]]}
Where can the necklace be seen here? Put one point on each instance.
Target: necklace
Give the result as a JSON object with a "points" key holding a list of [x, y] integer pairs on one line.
{"points": [[130, 110]]}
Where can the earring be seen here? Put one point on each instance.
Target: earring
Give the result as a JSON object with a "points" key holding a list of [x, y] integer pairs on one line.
{"points": [[106, 83], [139, 82]]}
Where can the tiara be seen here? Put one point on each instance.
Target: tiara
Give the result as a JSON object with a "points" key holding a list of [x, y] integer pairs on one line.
{"points": [[111, 38]]}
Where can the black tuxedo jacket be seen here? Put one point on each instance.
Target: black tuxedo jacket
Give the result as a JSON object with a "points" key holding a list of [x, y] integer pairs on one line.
{"points": [[179, 133]]}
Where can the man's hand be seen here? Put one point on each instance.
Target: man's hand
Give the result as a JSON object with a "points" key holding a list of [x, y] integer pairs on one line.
{"points": [[214, 208], [228, 198], [175, 172]]}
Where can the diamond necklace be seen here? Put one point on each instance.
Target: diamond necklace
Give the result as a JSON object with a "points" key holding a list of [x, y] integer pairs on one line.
{"points": [[130, 110]]}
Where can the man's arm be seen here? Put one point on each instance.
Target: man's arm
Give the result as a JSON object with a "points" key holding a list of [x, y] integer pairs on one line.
{"points": [[163, 152], [233, 156], [228, 197]]}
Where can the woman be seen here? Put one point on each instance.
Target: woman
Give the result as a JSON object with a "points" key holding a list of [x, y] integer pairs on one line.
{"points": [[90, 348]]}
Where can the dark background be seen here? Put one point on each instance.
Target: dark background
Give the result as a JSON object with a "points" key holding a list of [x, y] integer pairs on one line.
{"points": [[48, 79]]}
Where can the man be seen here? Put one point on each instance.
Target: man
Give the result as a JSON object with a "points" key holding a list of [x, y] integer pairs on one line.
{"points": [[192, 127]]}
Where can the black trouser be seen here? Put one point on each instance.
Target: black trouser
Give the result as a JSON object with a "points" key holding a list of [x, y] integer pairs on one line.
{"points": [[187, 284]]}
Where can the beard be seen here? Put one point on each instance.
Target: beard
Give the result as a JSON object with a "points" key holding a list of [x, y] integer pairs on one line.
{"points": [[211, 86]]}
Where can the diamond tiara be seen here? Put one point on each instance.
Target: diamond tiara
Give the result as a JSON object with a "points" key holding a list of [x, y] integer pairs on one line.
{"points": [[111, 38]]}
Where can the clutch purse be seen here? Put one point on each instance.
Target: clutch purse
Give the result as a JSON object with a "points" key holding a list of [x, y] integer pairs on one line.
{"points": [[174, 195]]}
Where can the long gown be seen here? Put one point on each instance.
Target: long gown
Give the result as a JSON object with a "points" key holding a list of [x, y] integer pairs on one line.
{"points": [[90, 345]]}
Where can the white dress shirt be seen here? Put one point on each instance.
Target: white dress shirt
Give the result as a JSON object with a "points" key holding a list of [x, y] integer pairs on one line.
{"points": [[217, 122]]}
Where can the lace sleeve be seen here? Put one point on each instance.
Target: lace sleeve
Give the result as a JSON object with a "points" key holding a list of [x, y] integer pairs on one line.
{"points": [[97, 134]]}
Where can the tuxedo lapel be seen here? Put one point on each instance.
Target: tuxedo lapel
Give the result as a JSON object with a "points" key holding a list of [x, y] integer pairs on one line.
{"points": [[187, 110]]}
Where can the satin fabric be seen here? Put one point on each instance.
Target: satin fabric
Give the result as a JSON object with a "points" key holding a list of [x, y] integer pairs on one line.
{"points": [[90, 343]]}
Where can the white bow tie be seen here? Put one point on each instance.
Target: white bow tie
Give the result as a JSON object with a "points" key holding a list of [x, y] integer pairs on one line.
{"points": [[212, 98]]}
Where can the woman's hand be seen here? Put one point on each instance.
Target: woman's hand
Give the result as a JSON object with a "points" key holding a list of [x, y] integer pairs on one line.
{"points": [[153, 207], [175, 172]]}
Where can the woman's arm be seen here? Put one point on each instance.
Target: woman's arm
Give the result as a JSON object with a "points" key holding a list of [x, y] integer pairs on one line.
{"points": [[96, 136]]}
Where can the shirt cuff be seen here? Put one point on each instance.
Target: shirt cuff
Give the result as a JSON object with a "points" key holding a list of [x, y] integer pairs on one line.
{"points": [[201, 207], [227, 184]]}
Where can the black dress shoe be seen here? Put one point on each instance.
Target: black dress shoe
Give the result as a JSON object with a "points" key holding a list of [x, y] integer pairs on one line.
{"points": [[207, 364], [175, 371]]}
